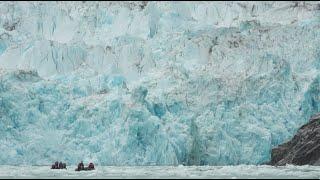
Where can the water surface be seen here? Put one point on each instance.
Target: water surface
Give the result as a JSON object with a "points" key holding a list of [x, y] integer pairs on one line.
{"points": [[213, 172]]}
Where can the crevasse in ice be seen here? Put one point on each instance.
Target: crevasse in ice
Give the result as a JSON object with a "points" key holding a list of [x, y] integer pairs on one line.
{"points": [[155, 83]]}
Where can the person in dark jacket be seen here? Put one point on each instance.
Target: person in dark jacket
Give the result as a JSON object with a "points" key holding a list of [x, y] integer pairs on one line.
{"points": [[60, 165], [91, 166], [64, 165], [56, 165], [80, 166]]}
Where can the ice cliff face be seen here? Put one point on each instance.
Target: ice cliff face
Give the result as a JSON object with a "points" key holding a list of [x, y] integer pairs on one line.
{"points": [[155, 83]]}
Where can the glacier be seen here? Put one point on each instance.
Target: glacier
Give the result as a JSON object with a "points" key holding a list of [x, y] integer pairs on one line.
{"points": [[155, 83]]}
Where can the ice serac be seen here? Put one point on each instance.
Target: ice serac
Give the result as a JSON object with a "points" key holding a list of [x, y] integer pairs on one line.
{"points": [[155, 83]]}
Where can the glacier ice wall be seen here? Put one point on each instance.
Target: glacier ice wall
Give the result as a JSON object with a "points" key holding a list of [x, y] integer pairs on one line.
{"points": [[155, 83]]}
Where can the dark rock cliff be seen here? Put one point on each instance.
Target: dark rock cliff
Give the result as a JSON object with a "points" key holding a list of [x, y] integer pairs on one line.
{"points": [[302, 149]]}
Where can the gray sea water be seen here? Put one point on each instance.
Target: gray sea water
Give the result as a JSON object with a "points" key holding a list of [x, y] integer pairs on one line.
{"points": [[123, 172]]}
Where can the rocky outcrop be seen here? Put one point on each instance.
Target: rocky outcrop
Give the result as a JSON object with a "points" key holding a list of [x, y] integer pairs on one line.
{"points": [[303, 149]]}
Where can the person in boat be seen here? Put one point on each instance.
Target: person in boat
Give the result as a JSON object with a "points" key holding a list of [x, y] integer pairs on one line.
{"points": [[56, 165], [91, 166], [60, 165], [64, 165], [80, 166]]}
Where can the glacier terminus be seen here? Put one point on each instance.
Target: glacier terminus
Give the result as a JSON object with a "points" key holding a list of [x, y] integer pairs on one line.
{"points": [[155, 83]]}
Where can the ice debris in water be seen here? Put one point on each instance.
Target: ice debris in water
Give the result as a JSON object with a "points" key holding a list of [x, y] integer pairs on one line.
{"points": [[155, 83]]}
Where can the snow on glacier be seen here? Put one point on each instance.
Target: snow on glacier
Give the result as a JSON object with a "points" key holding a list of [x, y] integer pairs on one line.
{"points": [[155, 83]]}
